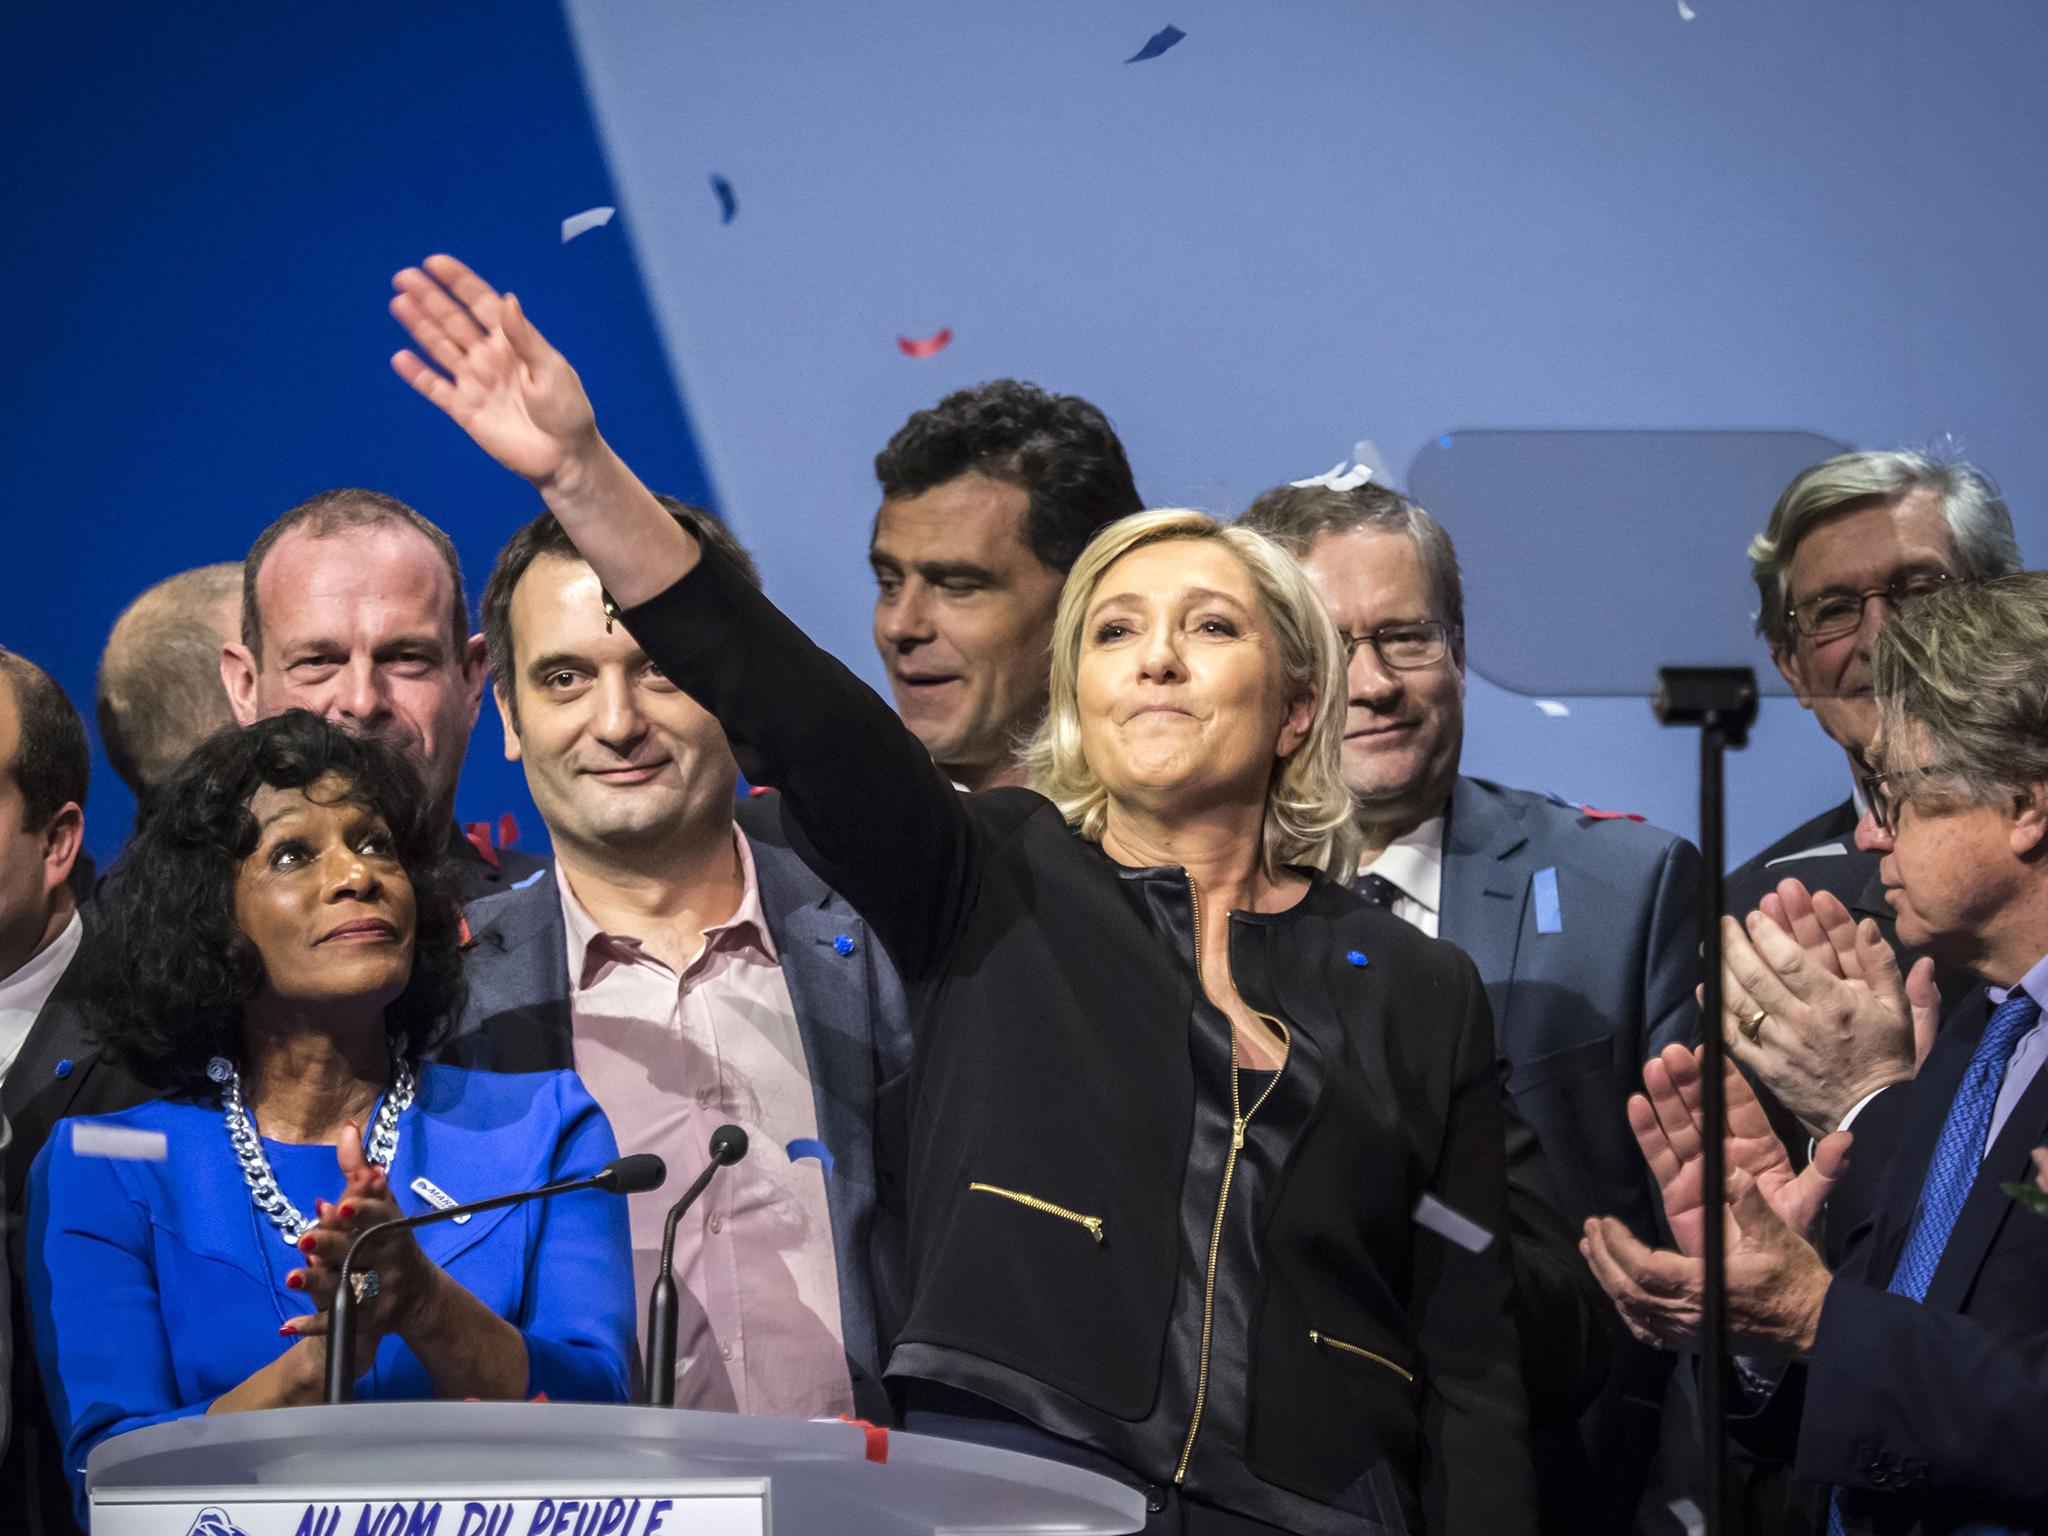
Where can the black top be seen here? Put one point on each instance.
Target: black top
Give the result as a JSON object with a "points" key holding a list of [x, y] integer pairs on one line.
{"points": [[1362, 1369]]}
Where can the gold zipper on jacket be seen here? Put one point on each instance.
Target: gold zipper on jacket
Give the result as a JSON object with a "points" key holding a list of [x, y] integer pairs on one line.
{"points": [[1239, 1119], [1315, 1336], [1092, 1223]]}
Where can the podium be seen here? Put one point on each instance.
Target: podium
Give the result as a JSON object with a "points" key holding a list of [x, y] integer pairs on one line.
{"points": [[572, 1469]]}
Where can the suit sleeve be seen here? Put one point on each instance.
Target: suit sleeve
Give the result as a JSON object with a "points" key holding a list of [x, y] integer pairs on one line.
{"points": [[1478, 1476], [1927, 1400], [99, 1329], [871, 813], [1671, 962], [578, 1315]]}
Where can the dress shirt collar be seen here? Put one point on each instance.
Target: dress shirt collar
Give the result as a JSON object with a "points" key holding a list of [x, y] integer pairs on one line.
{"points": [[592, 949], [2035, 983], [23, 994], [1415, 863]]}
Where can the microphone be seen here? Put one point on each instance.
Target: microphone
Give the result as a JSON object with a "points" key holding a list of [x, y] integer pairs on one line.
{"points": [[728, 1145], [628, 1175]]}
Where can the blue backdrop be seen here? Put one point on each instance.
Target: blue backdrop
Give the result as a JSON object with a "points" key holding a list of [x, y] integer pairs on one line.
{"points": [[1301, 229]]}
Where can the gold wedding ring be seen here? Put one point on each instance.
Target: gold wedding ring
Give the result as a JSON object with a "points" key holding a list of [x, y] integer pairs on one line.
{"points": [[1752, 1025]]}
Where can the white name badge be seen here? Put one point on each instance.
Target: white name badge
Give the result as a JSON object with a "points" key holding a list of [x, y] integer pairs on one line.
{"points": [[708, 1507]]}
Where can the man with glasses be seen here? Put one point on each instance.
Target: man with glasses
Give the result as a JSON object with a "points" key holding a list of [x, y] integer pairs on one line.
{"points": [[1851, 542], [1916, 1363], [1583, 927]]}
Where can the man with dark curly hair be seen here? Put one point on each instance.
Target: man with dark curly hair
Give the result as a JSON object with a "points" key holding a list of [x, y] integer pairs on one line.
{"points": [[987, 498]]}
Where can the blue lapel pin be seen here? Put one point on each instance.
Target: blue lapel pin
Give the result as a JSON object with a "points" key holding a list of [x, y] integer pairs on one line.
{"points": [[842, 943], [1358, 958], [64, 1067]]}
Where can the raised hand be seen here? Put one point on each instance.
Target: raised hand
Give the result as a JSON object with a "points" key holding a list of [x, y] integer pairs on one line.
{"points": [[406, 1279], [494, 374]]}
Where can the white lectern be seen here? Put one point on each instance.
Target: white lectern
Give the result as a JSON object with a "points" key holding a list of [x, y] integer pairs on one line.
{"points": [[568, 1469]]}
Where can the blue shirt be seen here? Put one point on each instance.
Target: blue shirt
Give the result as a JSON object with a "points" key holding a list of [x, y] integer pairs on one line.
{"points": [[156, 1286], [2028, 1052]]}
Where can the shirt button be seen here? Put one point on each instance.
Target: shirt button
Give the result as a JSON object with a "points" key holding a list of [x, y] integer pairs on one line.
{"points": [[725, 1350], [706, 1097], [1155, 1498], [717, 1224]]}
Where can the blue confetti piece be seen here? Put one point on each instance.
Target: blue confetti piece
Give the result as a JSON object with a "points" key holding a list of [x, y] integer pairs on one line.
{"points": [[1358, 958], [842, 943], [728, 205], [804, 1147], [1443, 442], [1157, 44], [1548, 918], [520, 885]]}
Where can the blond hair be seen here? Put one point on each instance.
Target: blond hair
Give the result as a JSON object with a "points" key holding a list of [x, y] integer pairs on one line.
{"points": [[1308, 809]]}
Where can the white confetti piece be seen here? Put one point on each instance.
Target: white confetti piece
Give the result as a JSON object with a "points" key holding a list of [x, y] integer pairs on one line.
{"points": [[1446, 1223], [582, 223], [125, 1142], [1685, 12], [1552, 708], [1688, 1513]]}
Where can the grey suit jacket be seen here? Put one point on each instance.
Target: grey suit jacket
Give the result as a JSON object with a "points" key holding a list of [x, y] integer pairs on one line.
{"points": [[1585, 994], [849, 1014]]}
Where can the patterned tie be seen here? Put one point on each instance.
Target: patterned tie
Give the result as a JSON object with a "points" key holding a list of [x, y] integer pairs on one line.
{"points": [[1378, 890], [1957, 1157]]}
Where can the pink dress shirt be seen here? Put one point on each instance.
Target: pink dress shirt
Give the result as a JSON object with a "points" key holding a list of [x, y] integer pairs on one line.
{"points": [[671, 1058]]}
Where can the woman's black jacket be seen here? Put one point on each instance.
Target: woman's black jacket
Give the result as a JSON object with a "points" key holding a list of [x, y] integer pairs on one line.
{"points": [[1052, 1021]]}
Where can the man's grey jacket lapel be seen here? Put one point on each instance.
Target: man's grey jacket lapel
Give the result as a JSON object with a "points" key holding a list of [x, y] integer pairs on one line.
{"points": [[1484, 901]]}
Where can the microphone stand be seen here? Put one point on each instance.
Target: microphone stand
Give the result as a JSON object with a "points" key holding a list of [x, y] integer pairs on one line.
{"points": [[728, 1145], [625, 1175], [1722, 702]]}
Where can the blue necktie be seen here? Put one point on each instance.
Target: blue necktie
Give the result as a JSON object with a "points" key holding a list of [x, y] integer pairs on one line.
{"points": [[1958, 1156]]}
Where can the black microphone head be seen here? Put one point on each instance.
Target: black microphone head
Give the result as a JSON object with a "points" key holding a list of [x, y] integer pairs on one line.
{"points": [[728, 1144], [633, 1174]]}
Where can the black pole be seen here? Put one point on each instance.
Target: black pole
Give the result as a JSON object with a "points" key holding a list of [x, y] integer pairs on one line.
{"points": [[1721, 701]]}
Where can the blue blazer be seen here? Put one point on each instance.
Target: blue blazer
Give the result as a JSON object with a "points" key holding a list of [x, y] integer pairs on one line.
{"points": [[155, 1286], [850, 1015]]}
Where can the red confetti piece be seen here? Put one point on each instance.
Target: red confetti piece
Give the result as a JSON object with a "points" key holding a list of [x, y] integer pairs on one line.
{"points": [[878, 1438], [926, 346], [508, 830], [1587, 810], [756, 791], [479, 835]]}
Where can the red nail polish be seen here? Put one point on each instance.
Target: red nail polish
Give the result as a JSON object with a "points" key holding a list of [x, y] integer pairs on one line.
{"points": [[306, 1243], [347, 1210], [295, 1281], [287, 1332]]}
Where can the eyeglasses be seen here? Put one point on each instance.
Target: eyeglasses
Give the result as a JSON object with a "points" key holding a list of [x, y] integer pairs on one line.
{"points": [[1885, 802], [1404, 647], [1830, 615]]}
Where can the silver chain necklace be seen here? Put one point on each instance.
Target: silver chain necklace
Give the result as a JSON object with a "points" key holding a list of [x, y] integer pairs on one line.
{"points": [[256, 1172]]}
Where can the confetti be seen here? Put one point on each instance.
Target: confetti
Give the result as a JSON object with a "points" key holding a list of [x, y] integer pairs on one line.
{"points": [[1685, 12], [1446, 1223], [926, 346], [1157, 44], [121, 1141], [582, 223], [728, 205], [804, 1146], [1549, 918], [1552, 708], [1688, 1513]]}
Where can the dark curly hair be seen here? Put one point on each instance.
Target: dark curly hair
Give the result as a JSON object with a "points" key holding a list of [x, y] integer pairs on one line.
{"points": [[1058, 449], [176, 971]]}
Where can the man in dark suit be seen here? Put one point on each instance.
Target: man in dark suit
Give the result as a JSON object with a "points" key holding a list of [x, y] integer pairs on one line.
{"points": [[1849, 543], [352, 607], [695, 972], [48, 1068], [1583, 926], [1919, 1366]]}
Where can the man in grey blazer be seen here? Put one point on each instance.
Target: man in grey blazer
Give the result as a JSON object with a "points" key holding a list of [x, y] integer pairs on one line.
{"points": [[1583, 925], [685, 962]]}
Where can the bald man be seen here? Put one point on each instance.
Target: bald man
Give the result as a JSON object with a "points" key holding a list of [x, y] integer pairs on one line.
{"points": [[160, 692]]}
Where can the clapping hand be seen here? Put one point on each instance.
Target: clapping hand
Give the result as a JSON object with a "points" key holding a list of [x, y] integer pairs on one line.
{"points": [[1814, 1006], [405, 1278], [1776, 1280]]}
